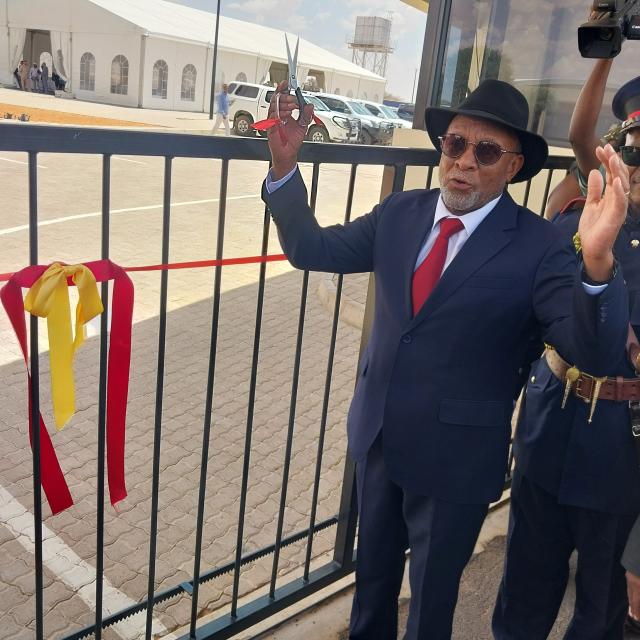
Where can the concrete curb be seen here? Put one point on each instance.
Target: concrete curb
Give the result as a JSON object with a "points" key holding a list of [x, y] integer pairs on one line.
{"points": [[351, 311]]}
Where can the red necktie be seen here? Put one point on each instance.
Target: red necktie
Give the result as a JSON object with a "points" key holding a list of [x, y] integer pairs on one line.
{"points": [[426, 276]]}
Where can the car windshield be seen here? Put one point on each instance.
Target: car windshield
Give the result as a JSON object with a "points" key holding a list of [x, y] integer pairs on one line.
{"points": [[317, 103], [358, 108], [388, 111]]}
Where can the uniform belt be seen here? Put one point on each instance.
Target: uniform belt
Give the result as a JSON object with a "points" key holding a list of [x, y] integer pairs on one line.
{"points": [[590, 388]]}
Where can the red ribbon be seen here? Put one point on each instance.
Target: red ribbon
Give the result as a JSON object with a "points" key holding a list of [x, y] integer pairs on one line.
{"points": [[119, 358], [197, 264]]}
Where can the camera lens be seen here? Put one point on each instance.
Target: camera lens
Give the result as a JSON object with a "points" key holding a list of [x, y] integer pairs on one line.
{"points": [[605, 34]]}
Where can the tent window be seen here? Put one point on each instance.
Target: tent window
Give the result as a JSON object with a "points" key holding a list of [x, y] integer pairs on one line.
{"points": [[189, 75], [160, 75], [88, 72], [120, 75]]}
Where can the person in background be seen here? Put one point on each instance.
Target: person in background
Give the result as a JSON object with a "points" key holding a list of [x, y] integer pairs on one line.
{"points": [[222, 105], [576, 484], [34, 77], [23, 68], [44, 78], [16, 76]]}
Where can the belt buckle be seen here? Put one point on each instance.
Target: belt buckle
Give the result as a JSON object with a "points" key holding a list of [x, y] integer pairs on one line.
{"points": [[634, 414], [580, 391]]}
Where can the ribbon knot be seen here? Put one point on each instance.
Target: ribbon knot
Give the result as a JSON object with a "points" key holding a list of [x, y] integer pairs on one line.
{"points": [[48, 298]]}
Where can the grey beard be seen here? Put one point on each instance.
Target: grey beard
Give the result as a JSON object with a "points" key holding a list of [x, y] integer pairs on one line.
{"points": [[465, 201], [460, 201]]}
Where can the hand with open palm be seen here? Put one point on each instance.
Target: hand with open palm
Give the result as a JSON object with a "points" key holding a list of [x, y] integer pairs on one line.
{"points": [[603, 215]]}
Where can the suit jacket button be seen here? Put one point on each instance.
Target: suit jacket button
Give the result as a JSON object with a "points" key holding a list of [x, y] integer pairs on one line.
{"points": [[407, 338]]}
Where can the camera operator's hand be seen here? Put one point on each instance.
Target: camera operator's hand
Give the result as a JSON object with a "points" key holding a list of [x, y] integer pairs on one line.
{"points": [[603, 215], [286, 138]]}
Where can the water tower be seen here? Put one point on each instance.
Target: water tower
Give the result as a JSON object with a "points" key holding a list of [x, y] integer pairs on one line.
{"points": [[371, 43]]}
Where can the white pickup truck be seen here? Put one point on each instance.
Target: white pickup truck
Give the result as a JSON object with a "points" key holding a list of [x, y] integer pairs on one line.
{"points": [[249, 103]]}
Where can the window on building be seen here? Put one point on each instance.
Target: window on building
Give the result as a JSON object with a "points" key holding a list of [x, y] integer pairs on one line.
{"points": [[159, 82], [246, 91], [535, 48], [189, 76], [241, 77], [120, 75], [87, 72]]}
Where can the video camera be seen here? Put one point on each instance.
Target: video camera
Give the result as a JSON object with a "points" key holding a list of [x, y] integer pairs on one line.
{"points": [[615, 21]]}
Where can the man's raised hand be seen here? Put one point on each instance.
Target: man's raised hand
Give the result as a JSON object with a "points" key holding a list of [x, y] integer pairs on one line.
{"points": [[603, 215], [285, 139]]}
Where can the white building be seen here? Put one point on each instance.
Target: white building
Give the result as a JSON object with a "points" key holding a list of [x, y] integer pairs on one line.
{"points": [[157, 54]]}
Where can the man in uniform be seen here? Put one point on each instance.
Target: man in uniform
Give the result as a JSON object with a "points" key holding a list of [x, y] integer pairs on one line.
{"points": [[464, 278], [576, 484]]}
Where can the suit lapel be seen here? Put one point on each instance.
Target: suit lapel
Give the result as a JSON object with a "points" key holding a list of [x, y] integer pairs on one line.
{"points": [[490, 237]]}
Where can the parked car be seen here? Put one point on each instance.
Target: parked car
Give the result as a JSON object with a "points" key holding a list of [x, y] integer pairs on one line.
{"points": [[249, 103], [405, 111], [374, 130], [383, 111], [329, 117]]}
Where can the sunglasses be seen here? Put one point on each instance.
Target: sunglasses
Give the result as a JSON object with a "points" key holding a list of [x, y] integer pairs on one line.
{"points": [[630, 156], [454, 146]]}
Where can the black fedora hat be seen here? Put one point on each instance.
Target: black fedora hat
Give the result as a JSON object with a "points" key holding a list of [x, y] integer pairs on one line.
{"points": [[626, 105], [503, 104]]}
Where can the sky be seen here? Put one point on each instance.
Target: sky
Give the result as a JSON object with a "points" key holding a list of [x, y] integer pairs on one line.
{"points": [[331, 23]]}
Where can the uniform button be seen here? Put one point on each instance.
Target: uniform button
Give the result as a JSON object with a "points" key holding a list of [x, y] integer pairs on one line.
{"points": [[533, 379], [407, 338]]}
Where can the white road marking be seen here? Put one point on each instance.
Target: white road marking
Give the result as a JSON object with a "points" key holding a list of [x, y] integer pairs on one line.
{"points": [[128, 160], [67, 566], [96, 214], [40, 166]]}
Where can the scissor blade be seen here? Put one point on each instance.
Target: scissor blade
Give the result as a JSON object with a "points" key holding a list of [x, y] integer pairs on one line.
{"points": [[293, 64]]}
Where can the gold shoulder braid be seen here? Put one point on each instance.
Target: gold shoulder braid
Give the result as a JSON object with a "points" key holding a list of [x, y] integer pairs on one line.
{"points": [[576, 242]]}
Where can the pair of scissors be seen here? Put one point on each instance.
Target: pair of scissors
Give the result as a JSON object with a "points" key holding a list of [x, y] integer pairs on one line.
{"points": [[293, 79]]}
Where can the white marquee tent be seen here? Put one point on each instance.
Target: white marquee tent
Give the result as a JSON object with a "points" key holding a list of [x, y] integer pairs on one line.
{"points": [[157, 54]]}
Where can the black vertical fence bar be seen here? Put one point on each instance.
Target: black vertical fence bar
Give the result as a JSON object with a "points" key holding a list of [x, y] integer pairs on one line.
{"points": [[213, 348], [547, 187], [102, 397], [429, 177], [35, 402], [162, 334], [253, 382], [327, 389], [293, 403], [398, 177], [527, 191]]}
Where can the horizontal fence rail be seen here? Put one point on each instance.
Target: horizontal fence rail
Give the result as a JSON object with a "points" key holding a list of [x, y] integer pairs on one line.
{"points": [[35, 140]]}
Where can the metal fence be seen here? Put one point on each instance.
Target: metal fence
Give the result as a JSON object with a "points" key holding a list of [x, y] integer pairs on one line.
{"points": [[105, 143]]}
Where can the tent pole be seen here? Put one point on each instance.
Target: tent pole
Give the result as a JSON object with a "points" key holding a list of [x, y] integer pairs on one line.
{"points": [[213, 65]]}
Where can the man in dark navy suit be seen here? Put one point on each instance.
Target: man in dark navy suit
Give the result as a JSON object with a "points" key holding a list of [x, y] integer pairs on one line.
{"points": [[464, 278], [576, 484]]}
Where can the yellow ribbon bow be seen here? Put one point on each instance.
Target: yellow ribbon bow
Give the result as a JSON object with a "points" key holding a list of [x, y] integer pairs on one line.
{"points": [[49, 298]]}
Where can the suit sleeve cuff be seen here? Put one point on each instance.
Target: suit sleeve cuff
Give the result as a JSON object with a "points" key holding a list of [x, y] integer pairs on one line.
{"points": [[272, 185]]}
